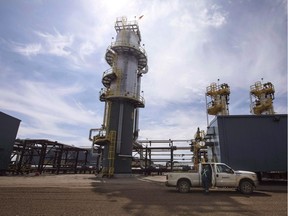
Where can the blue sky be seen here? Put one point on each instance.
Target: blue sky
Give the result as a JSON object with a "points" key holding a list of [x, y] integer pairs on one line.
{"points": [[52, 61]]}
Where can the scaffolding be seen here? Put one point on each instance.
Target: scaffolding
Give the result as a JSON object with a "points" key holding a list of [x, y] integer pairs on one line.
{"points": [[40, 155]]}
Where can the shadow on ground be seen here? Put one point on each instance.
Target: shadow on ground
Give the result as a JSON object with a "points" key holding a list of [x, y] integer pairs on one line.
{"points": [[141, 197]]}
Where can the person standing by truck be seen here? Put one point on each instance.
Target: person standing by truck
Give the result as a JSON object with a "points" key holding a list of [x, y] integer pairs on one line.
{"points": [[206, 176]]}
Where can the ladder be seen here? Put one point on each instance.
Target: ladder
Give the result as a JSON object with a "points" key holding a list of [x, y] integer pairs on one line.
{"points": [[111, 154]]}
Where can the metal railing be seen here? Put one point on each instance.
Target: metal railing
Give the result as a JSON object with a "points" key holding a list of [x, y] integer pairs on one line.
{"points": [[108, 93]]}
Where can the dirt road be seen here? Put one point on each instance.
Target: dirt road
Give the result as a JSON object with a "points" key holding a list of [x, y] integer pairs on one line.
{"points": [[82, 195]]}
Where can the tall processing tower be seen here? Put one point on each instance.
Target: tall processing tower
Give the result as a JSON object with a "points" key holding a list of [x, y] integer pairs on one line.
{"points": [[219, 99], [122, 96], [261, 98]]}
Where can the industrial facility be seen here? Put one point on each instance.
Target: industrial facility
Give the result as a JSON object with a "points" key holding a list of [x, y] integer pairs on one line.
{"points": [[256, 142]]}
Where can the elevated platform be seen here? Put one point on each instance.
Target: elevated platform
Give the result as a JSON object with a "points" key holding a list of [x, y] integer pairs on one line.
{"points": [[100, 140], [214, 109], [124, 47], [138, 101]]}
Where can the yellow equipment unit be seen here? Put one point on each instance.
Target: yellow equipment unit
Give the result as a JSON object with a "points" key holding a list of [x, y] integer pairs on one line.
{"points": [[261, 97], [198, 148], [219, 98]]}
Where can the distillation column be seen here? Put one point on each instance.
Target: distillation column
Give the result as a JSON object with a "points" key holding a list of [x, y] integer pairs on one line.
{"points": [[128, 61], [261, 98], [219, 99]]}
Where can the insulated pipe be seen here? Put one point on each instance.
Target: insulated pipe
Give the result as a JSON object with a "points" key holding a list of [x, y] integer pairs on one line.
{"points": [[106, 114], [90, 132], [120, 124], [136, 118]]}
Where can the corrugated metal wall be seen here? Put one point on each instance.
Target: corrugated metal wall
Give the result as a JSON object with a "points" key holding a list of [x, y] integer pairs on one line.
{"points": [[256, 143], [8, 132]]}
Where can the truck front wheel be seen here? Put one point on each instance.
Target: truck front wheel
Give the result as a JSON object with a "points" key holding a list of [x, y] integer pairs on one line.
{"points": [[246, 187], [183, 186]]}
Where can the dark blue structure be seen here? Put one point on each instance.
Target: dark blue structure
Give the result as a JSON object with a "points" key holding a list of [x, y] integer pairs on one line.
{"points": [[251, 142], [8, 132]]}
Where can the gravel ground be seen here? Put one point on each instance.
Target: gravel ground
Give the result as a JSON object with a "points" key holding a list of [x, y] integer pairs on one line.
{"points": [[138, 195]]}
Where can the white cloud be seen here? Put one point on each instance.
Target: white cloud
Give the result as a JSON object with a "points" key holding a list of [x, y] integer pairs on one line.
{"points": [[175, 124], [86, 49], [56, 44], [28, 49], [49, 109], [198, 17]]}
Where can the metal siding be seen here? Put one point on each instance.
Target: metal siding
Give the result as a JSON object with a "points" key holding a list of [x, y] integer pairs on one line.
{"points": [[113, 126], [128, 64], [9, 128], [127, 36], [128, 80], [122, 164], [222, 141], [215, 140], [257, 143], [127, 131]]}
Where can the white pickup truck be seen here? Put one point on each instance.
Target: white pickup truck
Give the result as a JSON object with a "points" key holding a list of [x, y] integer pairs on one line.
{"points": [[222, 176]]}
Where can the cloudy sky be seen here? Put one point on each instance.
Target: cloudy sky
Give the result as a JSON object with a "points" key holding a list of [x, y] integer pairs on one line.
{"points": [[52, 61]]}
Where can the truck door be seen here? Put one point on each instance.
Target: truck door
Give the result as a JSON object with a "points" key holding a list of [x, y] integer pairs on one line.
{"points": [[225, 176]]}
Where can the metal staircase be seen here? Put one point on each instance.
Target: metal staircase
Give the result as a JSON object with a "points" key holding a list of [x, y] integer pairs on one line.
{"points": [[108, 76]]}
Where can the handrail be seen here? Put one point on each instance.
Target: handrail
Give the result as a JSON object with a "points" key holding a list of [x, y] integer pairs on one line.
{"points": [[109, 93], [96, 129], [123, 43]]}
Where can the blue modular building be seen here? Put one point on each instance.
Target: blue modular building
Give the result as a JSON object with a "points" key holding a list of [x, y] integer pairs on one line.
{"points": [[249, 142]]}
